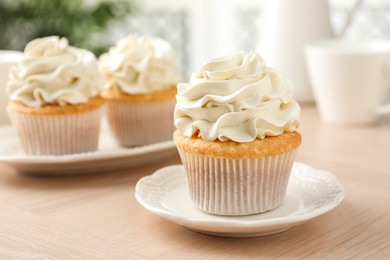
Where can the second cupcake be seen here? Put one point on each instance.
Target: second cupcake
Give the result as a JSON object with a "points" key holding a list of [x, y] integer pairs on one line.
{"points": [[140, 90]]}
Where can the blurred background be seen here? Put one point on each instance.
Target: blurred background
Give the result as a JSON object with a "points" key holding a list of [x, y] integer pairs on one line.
{"points": [[198, 29]]}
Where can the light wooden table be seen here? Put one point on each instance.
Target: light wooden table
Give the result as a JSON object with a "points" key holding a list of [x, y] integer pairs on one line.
{"points": [[97, 217]]}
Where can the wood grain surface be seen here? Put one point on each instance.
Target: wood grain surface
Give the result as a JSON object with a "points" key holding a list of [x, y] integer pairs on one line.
{"points": [[97, 217]]}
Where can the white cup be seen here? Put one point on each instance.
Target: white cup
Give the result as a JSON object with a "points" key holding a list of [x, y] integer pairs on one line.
{"points": [[7, 58], [350, 80]]}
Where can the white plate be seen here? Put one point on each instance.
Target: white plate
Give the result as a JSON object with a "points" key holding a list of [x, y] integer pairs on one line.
{"points": [[310, 193], [109, 156]]}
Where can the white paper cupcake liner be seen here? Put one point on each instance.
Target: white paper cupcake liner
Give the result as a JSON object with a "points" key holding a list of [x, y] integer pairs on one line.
{"points": [[141, 124], [237, 187], [58, 134]]}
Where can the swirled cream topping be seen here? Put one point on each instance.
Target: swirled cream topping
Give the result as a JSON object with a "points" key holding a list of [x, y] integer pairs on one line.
{"points": [[139, 65], [54, 73], [236, 98]]}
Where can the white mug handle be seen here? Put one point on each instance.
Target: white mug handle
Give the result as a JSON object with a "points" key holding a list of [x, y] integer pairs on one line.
{"points": [[385, 109]]}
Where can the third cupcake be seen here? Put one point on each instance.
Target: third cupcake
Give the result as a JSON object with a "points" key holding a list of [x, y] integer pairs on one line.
{"points": [[141, 79]]}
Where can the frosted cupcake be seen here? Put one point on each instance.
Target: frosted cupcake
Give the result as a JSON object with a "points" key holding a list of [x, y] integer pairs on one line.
{"points": [[55, 104], [236, 134], [140, 90]]}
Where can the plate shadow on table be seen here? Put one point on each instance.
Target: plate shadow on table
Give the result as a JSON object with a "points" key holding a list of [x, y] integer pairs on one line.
{"points": [[255, 247], [104, 179]]}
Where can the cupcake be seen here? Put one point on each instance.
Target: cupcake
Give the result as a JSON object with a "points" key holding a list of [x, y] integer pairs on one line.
{"points": [[140, 90], [236, 135], [54, 98]]}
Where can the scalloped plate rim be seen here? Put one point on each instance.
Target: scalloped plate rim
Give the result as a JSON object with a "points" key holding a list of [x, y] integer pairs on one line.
{"points": [[202, 225]]}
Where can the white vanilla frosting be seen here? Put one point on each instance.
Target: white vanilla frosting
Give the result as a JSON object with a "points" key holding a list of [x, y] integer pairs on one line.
{"points": [[139, 65], [53, 72], [236, 98]]}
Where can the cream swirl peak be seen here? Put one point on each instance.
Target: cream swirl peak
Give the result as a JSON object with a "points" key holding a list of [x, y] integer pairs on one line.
{"points": [[139, 65], [54, 73], [236, 98]]}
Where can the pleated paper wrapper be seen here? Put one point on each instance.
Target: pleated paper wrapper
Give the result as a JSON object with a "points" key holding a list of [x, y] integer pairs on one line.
{"points": [[58, 134], [134, 124], [237, 187]]}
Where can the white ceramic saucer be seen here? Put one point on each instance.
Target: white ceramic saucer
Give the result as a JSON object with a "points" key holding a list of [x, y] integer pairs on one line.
{"points": [[310, 193]]}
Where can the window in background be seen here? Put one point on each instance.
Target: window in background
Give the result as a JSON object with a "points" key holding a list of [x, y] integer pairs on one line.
{"points": [[22, 21]]}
